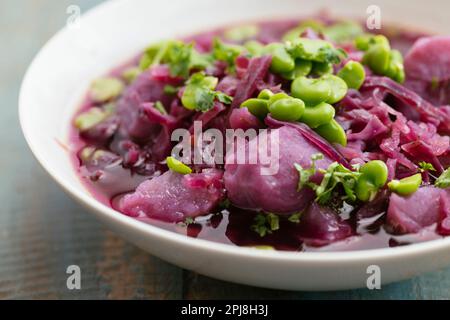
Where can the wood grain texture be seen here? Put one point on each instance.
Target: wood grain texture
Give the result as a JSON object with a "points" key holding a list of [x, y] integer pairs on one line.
{"points": [[42, 231]]}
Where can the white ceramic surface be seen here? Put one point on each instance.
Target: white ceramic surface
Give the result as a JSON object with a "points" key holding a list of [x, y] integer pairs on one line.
{"points": [[115, 31]]}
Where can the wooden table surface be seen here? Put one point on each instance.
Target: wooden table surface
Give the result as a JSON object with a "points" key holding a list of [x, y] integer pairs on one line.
{"points": [[42, 231]]}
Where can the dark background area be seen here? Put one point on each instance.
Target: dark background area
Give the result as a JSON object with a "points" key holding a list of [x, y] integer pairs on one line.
{"points": [[42, 231]]}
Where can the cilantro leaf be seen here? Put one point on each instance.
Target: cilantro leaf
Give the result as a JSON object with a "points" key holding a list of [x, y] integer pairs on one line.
{"points": [[179, 56], [295, 218], [160, 107], [186, 222], [226, 52], [222, 97], [170, 90], [425, 166], [265, 224], [306, 174], [335, 175], [314, 50], [444, 180], [204, 99], [199, 93]]}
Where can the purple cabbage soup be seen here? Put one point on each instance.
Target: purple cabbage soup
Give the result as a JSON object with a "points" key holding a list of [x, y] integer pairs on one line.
{"points": [[360, 121]]}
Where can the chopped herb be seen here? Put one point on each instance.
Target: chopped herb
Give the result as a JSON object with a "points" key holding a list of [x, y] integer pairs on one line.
{"points": [[265, 224], [225, 203], [295, 218], [274, 221], [153, 55], [170, 90], [425, 166], [335, 175], [179, 56], [186, 222], [205, 100], [306, 174], [160, 107], [314, 50], [222, 97], [199, 93], [226, 52], [444, 180], [189, 220]]}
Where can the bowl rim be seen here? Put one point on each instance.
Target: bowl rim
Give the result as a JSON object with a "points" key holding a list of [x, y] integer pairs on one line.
{"points": [[180, 240]]}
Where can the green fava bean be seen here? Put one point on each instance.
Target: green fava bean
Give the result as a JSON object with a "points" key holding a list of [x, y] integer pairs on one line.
{"points": [[378, 58], [373, 177], [177, 166], [255, 48], [332, 132], [281, 59], [338, 88], [90, 118], [302, 68], [376, 171], [278, 96], [406, 186], [353, 74], [265, 94], [318, 115], [312, 91], [396, 69], [289, 109], [104, 89], [257, 107], [322, 68]]}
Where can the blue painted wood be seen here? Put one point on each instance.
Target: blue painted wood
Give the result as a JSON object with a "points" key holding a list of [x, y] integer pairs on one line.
{"points": [[42, 231]]}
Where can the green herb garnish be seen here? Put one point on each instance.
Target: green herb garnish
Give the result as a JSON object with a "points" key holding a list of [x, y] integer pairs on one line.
{"points": [[179, 56], [295, 218], [426, 166], [160, 107], [335, 175], [444, 180], [315, 50], [199, 93], [226, 52], [265, 224]]}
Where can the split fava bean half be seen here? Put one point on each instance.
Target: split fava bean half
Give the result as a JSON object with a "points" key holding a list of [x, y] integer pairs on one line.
{"points": [[406, 186], [104, 89], [177, 166], [338, 88]]}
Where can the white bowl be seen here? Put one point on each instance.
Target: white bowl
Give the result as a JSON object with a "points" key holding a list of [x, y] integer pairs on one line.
{"points": [[114, 31]]}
